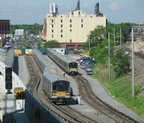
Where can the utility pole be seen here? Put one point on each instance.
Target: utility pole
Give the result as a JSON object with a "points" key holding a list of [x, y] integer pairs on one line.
{"points": [[89, 41], [109, 56], [114, 37], [120, 39], [132, 63]]}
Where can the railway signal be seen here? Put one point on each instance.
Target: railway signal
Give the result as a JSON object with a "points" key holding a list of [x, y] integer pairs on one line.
{"points": [[8, 78]]}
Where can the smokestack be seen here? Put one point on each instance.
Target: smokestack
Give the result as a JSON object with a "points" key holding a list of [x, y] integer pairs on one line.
{"points": [[78, 5], [97, 9]]}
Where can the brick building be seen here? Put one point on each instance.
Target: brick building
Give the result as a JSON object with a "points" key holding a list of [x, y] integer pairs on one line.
{"points": [[4, 29]]}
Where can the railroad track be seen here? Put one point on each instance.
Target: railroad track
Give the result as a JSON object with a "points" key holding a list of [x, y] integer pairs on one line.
{"points": [[66, 113], [87, 94]]}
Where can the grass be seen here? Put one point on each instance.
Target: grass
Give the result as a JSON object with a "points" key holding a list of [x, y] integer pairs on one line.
{"points": [[121, 89]]}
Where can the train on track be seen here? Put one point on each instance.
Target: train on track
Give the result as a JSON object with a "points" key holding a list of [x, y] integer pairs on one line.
{"points": [[55, 87], [69, 66]]}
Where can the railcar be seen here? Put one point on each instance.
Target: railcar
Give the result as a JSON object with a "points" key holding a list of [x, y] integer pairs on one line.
{"points": [[56, 87], [9, 60], [69, 66], [58, 90], [40, 59]]}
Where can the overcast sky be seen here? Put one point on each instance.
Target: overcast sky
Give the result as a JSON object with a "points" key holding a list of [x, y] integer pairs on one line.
{"points": [[34, 11]]}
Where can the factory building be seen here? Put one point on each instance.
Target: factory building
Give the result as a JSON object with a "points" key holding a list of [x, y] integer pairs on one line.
{"points": [[4, 29], [72, 29]]}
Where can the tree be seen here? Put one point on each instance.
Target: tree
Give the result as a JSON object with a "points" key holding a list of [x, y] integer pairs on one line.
{"points": [[52, 44], [100, 52], [121, 63], [96, 36], [33, 29], [125, 31]]}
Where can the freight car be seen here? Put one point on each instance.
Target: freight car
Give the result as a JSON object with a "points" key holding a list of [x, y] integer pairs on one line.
{"points": [[69, 66], [55, 86]]}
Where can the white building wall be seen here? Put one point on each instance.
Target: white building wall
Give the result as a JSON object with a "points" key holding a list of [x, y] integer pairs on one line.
{"points": [[74, 27]]}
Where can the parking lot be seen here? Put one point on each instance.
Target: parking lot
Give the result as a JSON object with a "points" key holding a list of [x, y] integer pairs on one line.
{"points": [[86, 63]]}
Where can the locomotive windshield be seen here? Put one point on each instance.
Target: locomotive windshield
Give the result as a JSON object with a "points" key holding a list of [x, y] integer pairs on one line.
{"points": [[73, 65], [61, 86]]}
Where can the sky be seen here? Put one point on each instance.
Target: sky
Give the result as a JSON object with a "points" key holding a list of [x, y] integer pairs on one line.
{"points": [[34, 11]]}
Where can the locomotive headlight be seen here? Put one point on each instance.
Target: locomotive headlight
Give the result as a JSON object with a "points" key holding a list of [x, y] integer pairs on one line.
{"points": [[67, 93], [53, 93]]}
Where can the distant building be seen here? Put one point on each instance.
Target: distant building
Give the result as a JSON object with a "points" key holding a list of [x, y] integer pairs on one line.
{"points": [[71, 30], [4, 29], [19, 32]]}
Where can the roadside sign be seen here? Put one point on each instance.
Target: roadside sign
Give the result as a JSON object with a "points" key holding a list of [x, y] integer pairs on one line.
{"points": [[20, 94]]}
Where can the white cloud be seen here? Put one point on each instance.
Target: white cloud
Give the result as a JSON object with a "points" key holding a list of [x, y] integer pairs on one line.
{"points": [[115, 6]]}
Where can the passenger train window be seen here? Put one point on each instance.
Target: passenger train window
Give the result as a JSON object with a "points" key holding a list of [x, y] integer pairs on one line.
{"points": [[54, 87]]}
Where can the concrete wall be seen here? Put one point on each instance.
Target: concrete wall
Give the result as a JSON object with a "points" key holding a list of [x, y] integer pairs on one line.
{"points": [[36, 112]]}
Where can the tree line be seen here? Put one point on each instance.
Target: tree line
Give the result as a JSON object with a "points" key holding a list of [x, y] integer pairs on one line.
{"points": [[32, 29], [102, 39]]}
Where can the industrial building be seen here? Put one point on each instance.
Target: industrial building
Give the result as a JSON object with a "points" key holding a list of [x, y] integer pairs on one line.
{"points": [[72, 29], [4, 29]]}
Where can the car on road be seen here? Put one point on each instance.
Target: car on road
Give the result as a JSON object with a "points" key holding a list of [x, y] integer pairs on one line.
{"points": [[88, 64], [84, 61], [89, 71]]}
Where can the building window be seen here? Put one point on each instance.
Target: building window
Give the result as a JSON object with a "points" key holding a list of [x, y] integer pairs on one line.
{"points": [[81, 25], [70, 40], [81, 20], [61, 20], [52, 36], [52, 30], [61, 36], [52, 20], [52, 25], [61, 26], [70, 30], [61, 31], [70, 26], [70, 20]]}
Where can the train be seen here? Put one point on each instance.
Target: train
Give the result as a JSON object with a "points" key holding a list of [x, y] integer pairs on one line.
{"points": [[56, 87], [69, 66]]}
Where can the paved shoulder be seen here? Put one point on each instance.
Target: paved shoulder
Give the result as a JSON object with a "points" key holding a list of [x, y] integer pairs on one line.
{"points": [[23, 72]]}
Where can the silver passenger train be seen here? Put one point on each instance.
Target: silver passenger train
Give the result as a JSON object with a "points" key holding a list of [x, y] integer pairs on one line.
{"points": [[69, 66], [56, 87]]}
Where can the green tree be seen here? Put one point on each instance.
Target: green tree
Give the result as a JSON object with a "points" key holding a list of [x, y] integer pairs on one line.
{"points": [[121, 63], [125, 31], [100, 52], [100, 34], [96, 36], [52, 44], [33, 29]]}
